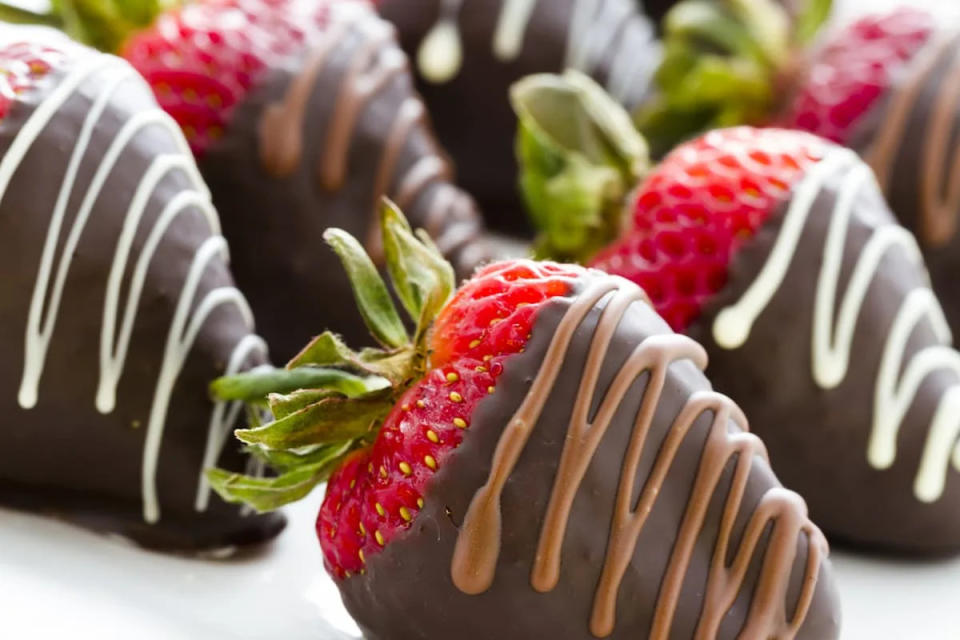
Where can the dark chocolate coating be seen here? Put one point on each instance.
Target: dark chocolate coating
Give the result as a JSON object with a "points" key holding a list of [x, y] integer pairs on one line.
{"points": [[472, 113], [275, 225], [656, 9], [817, 438], [63, 456], [908, 166], [407, 592]]}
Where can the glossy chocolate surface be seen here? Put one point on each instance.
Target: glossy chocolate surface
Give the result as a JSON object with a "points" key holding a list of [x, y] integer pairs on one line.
{"points": [[408, 590], [314, 146], [614, 43], [110, 434], [820, 436]]}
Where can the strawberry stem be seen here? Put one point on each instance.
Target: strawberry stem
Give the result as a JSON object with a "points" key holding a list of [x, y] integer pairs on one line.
{"points": [[724, 64], [102, 24], [579, 155], [373, 299], [331, 399], [18, 15], [254, 386]]}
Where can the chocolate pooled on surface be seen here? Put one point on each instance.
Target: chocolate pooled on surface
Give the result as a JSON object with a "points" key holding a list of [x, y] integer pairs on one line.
{"points": [[118, 308], [523, 536], [316, 145], [469, 52], [830, 338]]}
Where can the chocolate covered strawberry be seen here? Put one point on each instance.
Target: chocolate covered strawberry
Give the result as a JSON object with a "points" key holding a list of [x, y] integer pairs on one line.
{"points": [[776, 250], [886, 86], [116, 307], [543, 458], [301, 115]]}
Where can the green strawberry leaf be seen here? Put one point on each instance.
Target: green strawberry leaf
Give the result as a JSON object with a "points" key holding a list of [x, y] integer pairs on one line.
{"points": [[288, 460], [579, 156], [255, 385], [267, 494], [811, 16], [331, 399], [330, 420], [283, 404], [724, 64], [373, 299], [418, 272]]}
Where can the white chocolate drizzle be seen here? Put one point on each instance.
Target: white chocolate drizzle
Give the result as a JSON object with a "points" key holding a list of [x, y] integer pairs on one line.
{"points": [[440, 55], [511, 28], [832, 341], [114, 341], [598, 30]]}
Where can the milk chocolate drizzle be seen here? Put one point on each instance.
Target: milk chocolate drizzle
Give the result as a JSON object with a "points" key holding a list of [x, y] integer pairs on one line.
{"points": [[372, 65], [939, 190], [478, 544]]}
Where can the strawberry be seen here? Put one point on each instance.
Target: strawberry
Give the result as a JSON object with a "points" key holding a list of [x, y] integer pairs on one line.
{"points": [[775, 248], [381, 490], [467, 465], [853, 71], [22, 66], [884, 87], [113, 265], [301, 115], [699, 207]]}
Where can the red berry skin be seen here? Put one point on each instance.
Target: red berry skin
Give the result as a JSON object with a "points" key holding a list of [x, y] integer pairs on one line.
{"points": [[855, 69], [22, 66], [202, 59], [378, 492], [699, 207]]}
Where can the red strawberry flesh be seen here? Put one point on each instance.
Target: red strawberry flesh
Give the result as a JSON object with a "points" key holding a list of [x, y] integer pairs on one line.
{"points": [[22, 64], [203, 59], [699, 207], [378, 492], [855, 69]]}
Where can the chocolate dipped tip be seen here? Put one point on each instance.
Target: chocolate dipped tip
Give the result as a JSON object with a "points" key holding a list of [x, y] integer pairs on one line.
{"points": [[115, 267], [604, 418], [867, 429]]}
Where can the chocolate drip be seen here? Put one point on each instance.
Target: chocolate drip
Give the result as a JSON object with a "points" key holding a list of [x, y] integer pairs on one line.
{"points": [[602, 446], [878, 375], [119, 309], [487, 45], [477, 549], [335, 129]]}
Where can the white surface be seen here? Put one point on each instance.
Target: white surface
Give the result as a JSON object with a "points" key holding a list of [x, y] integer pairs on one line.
{"points": [[57, 582]]}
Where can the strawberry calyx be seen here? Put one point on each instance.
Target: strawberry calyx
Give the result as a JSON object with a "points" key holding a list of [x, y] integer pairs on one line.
{"points": [[102, 24], [725, 63], [330, 400], [579, 155]]}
